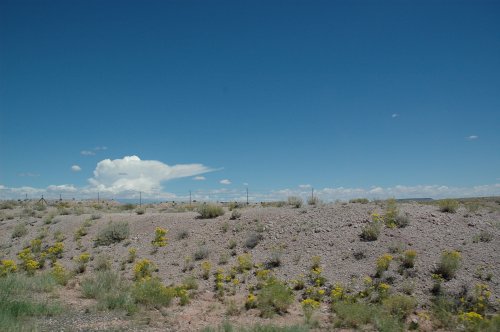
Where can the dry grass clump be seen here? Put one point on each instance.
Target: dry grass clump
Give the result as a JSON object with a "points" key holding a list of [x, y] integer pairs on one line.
{"points": [[295, 201], [448, 205], [113, 232], [209, 211], [20, 230]]}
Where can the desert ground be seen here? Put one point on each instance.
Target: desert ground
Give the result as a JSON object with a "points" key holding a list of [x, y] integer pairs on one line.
{"points": [[266, 267]]}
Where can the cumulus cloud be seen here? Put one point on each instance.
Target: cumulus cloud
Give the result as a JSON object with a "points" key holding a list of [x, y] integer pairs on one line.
{"points": [[225, 181], [245, 183], [199, 178], [394, 115], [304, 186], [76, 168], [133, 174], [472, 137]]}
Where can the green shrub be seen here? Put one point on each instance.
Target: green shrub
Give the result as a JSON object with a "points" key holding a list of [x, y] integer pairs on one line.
{"points": [[113, 232], [400, 305], [152, 293], [20, 230], [408, 260], [183, 234], [449, 264], [274, 298], [401, 221], [352, 315], [295, 201], [391, 212], [209, 211], [253, 240], [383, 263], [448, 205], [371, 231], [201, 253]]}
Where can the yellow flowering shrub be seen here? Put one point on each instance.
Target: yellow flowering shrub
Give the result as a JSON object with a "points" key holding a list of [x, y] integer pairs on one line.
{"points": [[7, 266], [251, 301], [206, 267], [59, 273], [132, 254], [383, 263], [308, 307], [54, 252], [160, 240], [409, 258], [143, 269], [245, 262], [383, 290], [337, 293]]}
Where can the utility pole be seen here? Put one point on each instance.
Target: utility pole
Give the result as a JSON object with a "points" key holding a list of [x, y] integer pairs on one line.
{"points": [[97, 197], [247, 195], [312, 194], [190, 198], [140, 198]]}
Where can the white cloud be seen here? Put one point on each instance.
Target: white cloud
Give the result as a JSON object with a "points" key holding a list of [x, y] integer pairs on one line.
{"points": [[304, 186], [63, 188], [225, 181], [29, 174], [99, 148], [394, 115], [133, 174], [76, 168], [472, 137], [245, 183], [87, 153], [199, 178]]}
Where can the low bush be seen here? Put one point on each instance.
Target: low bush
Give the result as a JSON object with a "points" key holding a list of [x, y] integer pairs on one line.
{"points": [[401, 221], [408, 260], [448, 205], [235, 214], [253, 240], [20, 230], [483, 236], [370, 232], [313, 200], [295, 201], [400, 305], [449, 264], [274, 298], [152, 293], [201, 253], [383, 263], [113, 232], [209, 211]]}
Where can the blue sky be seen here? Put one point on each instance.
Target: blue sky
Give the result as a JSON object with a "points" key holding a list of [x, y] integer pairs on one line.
{"points": [[349, 97]]}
